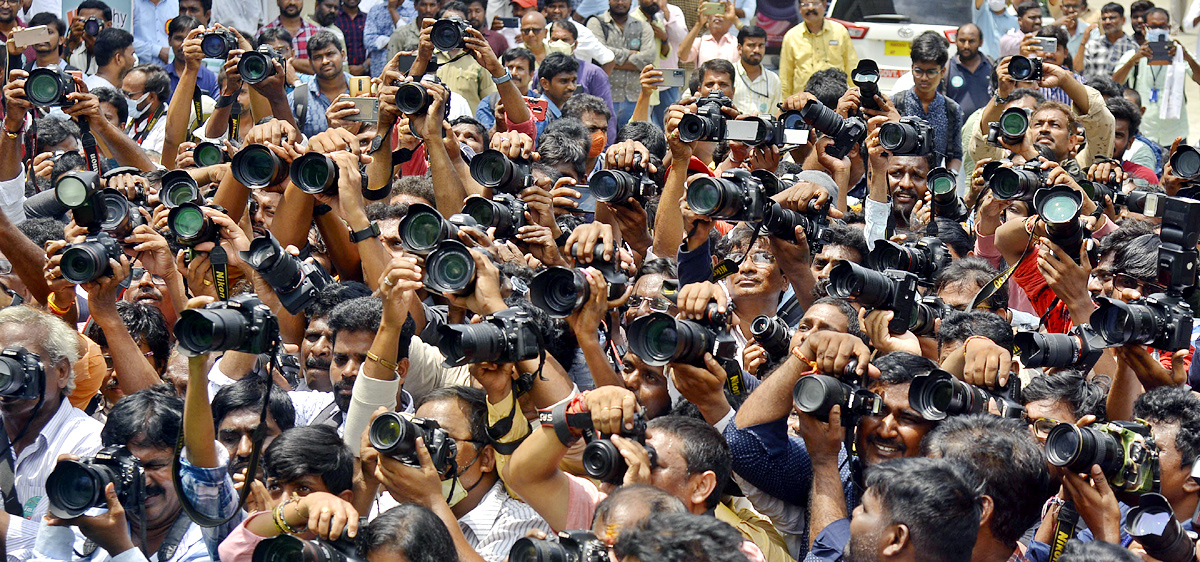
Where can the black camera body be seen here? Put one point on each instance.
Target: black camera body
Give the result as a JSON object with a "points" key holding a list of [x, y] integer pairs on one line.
{"points": [[929, 309], [448, 33], [1080, 349], [48, 87], [892, 290], [87, 261], [602, 459], [1017, 183], [295, 282], [846, 132], [242, 323], [423, 228], [1124, 450], [22, 374], [507, 336], [735, 196], [816, 395], [217, 44], [946, 202], [617, 186], [493, 169], [659, 339], [912, 136], [121, 216], [773, 334], [1161, 321], [937, 395], [395, 435], [576, 546], [258, 65], [560, 291], [925, 257], [708, 122], [74, 487], [1025, 69], [1011, 128], [290, 548], [504, 212]]}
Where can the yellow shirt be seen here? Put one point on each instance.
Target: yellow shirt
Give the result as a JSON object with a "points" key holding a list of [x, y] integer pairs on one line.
{"points": [[805, 53], [754, 528], [466, 78]]}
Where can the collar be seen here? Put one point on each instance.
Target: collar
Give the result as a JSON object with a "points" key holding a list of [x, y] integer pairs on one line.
{"points": [[554, 110], [316, 92], [824, 27], [741, 70], [49, 432], [482, 519]]}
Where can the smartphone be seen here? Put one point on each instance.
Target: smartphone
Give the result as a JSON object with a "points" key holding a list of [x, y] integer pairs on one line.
{"points": [[31, 36], [1160, 47], [1048, 44], [406, 62], [368, 109], [359, 85], [511, 22], [538, 108], [673, 77], [712, 8]]}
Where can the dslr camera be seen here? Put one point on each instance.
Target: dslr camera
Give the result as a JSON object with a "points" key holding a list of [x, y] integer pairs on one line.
{"points": [[925, 257], [242, 323], [576, 546], [1125, 451], [1152, 523], [92, 25], [504, 212], [659, 339], [773, 334], [450, 269], [1017, 183], [912, 136], [87, 261], [892, 290], [491, 168], [395, 435], [447, 34], [413, 98], [290, 548], [601, 459], [423, 228], [22, 375], [506, 336], [946, 202], [258, 65], [1025, 69], [708, 123], [1011, 128], [1059, 207], [256, 167], [561, 291], [74, 487], [739, 196], [191, 227], [1080, 349], [217, 43], [866, 77], [617, 186], [846, 133], [937, 395], [816, 395], [296, 282], [178, 188], [48, 87]]}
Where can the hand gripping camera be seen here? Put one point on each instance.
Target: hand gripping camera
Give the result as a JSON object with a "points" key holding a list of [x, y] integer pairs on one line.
{"points": [[892, 290], [87, 261], [617, 186], [773, 334], [1124, 450], [74, 487], [242, 323], [491, 168], [708, 123], [846, 133], [507, 336], [258, 65], [290, 548], [938, 395], [396, 435], [504, 212], [602, 459], [912, 136], [659, 339], [816, 395], [561, 291], [295, 282], [925, 257]]}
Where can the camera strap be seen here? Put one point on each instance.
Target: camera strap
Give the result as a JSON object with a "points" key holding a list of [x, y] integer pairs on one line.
{"points": [[235, 119], [1064, 529], [12, 504], [727, 266], [220, 267], [300, 102], [89, 146], [199, 109]]}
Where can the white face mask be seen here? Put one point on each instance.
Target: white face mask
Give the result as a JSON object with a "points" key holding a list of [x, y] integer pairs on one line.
{"points": [[559, 46], [453, 491], [997, 5], [134, 112]]}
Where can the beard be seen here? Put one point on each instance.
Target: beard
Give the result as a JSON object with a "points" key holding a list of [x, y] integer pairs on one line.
{"points": [[291, 11], [342, 393], [861, 548], [325, 19], [821, 289]]}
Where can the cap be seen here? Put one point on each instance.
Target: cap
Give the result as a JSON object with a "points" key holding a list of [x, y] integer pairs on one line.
{"points": [[820, 178], [525, 3]]}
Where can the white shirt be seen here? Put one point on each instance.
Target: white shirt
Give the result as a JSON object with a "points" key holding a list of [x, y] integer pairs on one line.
{"points": [[79, 58], [243, 15], [55, 543], [591, 49], [39, 6], [150, 28], [12, 198], [95, 81], [69, 431]]}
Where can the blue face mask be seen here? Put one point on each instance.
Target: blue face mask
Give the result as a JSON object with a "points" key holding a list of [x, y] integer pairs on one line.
{"points": [[134, 112]]}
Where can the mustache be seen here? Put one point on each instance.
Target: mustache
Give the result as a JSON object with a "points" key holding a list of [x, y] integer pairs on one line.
{"points": [[152, 491], [314, 364]]}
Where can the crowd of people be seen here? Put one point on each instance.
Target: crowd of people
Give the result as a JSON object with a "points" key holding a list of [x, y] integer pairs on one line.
{"points": [[642, 299]]}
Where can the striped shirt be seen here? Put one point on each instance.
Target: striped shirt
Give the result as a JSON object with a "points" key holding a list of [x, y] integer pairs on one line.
{"points": [[69, 431], [760, 95], [498, 522]]}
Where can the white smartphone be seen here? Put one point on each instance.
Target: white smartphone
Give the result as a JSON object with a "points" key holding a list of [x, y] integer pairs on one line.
{"points": [[31, 36], [368, 109]]}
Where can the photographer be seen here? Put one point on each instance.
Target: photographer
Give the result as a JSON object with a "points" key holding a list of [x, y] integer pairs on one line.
{"points": [[149, 88], [80, 44], [898, 196]]}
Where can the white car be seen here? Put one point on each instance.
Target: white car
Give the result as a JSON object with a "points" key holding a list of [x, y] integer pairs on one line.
{"points": [[883, 30]]}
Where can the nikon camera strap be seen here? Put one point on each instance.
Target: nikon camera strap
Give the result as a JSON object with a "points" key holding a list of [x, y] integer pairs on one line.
{"points": [[199, 109], [220, 267], [12, 504], [90, 150], [1064, 529]]}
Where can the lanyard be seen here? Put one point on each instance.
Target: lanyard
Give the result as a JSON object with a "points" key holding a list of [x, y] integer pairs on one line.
{"points": [[141, 135]]}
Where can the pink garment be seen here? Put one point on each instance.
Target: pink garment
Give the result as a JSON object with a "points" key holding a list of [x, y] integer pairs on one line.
{"points": [[985, 247], [239, 545], [706, 48]]}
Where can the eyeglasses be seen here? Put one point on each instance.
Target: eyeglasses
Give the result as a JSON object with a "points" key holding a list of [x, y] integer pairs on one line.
{"points": [[108, 360], [810, 4], [13, 2], [127, 94], [532, 30], [138, 273], [926, 72], [657, 304], [759, 258], [1042, 426]]}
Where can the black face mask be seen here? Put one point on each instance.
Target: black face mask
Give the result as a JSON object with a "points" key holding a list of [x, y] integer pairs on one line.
{"points": [[650, 10]]}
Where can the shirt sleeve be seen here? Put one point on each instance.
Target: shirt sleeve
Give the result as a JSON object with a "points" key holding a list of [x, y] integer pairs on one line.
{"points": [[876, 215], [695, 266], [830, 542], [786, 64], [12, 198], [211, 491], [582, 498], [239, 545], [647, 51], [591, 47], [1098, 124], [766, 457]]}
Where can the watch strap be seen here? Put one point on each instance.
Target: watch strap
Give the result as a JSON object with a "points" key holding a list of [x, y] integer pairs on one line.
{"points": [[368, 232], [507, 76]]}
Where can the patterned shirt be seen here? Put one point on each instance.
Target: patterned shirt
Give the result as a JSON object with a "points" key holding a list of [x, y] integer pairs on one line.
{"points": [[758, 95], [352, 27], [1100, 56], [943, 116], [378, 30], [634, 44], [498, 522], [299, 40]]}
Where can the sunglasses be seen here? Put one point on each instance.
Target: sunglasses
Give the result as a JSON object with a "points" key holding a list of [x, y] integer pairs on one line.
{"points": [[657, 304]]}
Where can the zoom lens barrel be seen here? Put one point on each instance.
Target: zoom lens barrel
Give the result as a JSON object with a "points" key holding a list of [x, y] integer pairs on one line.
{"points": [[315, 173], [256, 66], [423, 228], [659, 339], [412, 98], [1078, 448], [1185, 162], [394, 435], [450, 269], [47, 87], [848, 280], [815, 395], [491, 168], [559, 291], [178, 188], [256, 167], [938, 395], [74, 487]]}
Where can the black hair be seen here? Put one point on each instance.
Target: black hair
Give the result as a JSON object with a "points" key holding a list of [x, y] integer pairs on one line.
{"points": [[1084, 396], [1024, 7], [206, 5], [937, 499], [412, 531], [567, 25], [930, 47], [417, 186], [828, 86], [841, 234], [117, 99], [520, 53], [953, 234], [467, 120], [476, 401], [1119, 9], [958, 326], [247, 392], [704, 449], [556, 64], [272, 34], [1139, 258], [1007, 458], [453, 6], [1117, 242], [659, 266], [1140, 6], [157, 80], [361, 314], [96, 5], [1177, 406], [47, 18], [149, 417], [1096, 551], [109, 42], [146, 324], [1157, 10], [680, 537], [311, 450], [182, 23], [1107, 87], [646, 133], [68, 162], [852, 325], [565, 147], [42, 230], [900, 367], [52, 130], [1123, 110], [719, 66], [977, 271], [580, 103], [321, 40], [331, 296], [656, 500], [751, 31]]}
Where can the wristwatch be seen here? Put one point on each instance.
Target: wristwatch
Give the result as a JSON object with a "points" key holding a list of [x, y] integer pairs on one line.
{"points": [[368, 232], [999, 100], [507, 76]]}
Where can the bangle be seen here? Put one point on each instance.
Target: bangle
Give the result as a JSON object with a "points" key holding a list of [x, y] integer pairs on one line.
{"points": [[1030, 224], [382, 362], [280, 522], [57, 309], [968, 341]]}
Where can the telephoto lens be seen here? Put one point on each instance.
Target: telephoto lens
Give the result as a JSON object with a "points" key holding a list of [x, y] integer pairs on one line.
{"points": [[1025, 69], [120, 215], [1153, 525], [559, 291], [74, 487], [1018, 182], [242, 323], [178, 188], [870, 288], [47, 87], [209, 154], [289, 548], [1185, 162], [491, 168], [217, 43], [816, 395], [315, 173], [256, 167], [395, 435], [1124, 450], [448, 33], [92, 25], [846, 133], [925, 257], [503, 212], [450, 269], [659, 339], [190, 226], [1157, 321], [295, 282], [910, 137], [572, 546], [1059, 207], [87, 261], [736, 195], [22, 376], [258, 65], [773, 334], [423, 228], [412, 98], [1014, 122], [938, 395], [946, 202], [1081, 348], [506, 336], [80, 192]]}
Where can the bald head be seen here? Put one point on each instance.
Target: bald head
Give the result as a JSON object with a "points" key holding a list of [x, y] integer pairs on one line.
{"points": [[533, 19]]}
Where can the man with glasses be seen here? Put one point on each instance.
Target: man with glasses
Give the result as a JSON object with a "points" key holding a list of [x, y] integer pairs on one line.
{"points": [[818, 44], [929, 56], [1151, 82], [1101, 53], [533, 35], [147, 89]]}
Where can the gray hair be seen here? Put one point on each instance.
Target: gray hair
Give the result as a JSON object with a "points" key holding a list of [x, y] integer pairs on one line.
{"points": [[61, 343]]}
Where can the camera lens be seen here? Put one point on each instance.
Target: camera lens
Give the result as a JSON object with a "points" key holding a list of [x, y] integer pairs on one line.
{"points": [[216, 46], [714, 197], [817, 394], [74, 487], [559, 291], [1078, 448], [74, 188], [178, 188], [447, 35], [1185, 162], [822, 118], [1014, 122], [208, 154], [412, 98], [1122, 323], [485, 211], [46, 87], [12, 377], [315, 173], [207, 330], [613, 185], [278, 268], [603, 461], [84, 262], [1060, 207], [491, 168], [504, 213], [394, 435], [693, 127], [256, 66], [256, 167], [792, 119], [898, 137], [535, 550], [190, 226], [470, 343], [938, 395], [450, 269], [91, 26], [769, 331], [942, 182], [849, 280], [659, 339], [1020, 68], [1014, 183], [422, 229], [1046, 350], [1152, 523]]}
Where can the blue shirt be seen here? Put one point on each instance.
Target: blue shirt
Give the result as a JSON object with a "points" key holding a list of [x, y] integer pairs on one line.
{"points": [[205, 80], [486, 112], [1040, 551], [150, 28], [992, 26], [943, 116], [314, 121], [380, 25], [552, 113]]}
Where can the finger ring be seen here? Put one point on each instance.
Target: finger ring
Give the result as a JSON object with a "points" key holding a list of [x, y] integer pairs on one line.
{"points": [[606, 408], [325, 509], [207, 282], [389, 282]]}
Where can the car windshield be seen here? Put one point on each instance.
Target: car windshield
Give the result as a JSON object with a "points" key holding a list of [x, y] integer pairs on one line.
{"points": [[942, 12]]}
